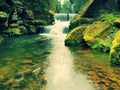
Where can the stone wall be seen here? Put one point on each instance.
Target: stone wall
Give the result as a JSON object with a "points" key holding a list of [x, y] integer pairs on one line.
{"points": [[24, 17]]}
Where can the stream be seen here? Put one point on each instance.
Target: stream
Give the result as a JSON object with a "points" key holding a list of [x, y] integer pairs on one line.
{"points": [[43, 62]]}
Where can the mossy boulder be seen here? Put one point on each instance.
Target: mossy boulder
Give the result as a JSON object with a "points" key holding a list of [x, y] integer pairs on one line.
{"points": [[99, 35], [75, 36], [12, 32], [3, 19], [115, 50]]}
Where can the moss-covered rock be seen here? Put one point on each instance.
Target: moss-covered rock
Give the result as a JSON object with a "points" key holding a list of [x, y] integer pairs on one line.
{"points": [[3, 19], [12, 32], [75, 36], [115, 50], [94, 30], [97, 36]]}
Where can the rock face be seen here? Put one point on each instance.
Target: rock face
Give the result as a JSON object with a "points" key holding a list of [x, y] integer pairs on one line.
{"points": [[99, 7], [19, 17]]}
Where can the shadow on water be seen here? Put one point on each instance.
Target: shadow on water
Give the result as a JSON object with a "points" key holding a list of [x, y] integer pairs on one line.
{"points": [[23, 61]]}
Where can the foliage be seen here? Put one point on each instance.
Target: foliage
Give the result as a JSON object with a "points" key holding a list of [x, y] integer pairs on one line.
{"points": [[108, 18], [66, 7], [102, 45]]}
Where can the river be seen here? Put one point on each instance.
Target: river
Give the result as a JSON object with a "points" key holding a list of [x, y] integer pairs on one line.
{"points": [[43, 62]]}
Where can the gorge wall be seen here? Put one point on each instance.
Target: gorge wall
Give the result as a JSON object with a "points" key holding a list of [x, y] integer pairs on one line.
{"points": [[24, 16]]}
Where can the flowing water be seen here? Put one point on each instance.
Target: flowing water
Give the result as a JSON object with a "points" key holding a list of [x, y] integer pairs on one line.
{"points": [[60, 73], [43, 62]]}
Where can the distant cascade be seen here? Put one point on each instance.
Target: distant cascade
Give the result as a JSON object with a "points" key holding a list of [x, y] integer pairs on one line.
{"points": [[64, 16], [61, 24]]}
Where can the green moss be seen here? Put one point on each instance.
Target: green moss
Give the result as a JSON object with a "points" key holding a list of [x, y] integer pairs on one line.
{"points": [[75, 36], [94, 30], [108, 18], [1, 38]]}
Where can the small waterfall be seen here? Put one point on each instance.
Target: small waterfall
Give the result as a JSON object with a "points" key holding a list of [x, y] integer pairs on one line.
{"points": [[64, 16], [61, 24]]}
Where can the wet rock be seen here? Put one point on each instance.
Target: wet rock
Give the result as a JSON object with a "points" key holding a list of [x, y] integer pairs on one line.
{"points": [[12, 32], [4, 19], [75, 36], [3, 16]]}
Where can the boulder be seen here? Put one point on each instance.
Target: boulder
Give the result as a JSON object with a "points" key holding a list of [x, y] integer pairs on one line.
{"points": [[12, 32], [115, 50], [3, 16], [99, 35], [75, 36]]}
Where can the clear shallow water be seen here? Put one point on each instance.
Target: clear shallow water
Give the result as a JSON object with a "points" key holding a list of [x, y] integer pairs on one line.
{"points": [[42, 62]]}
